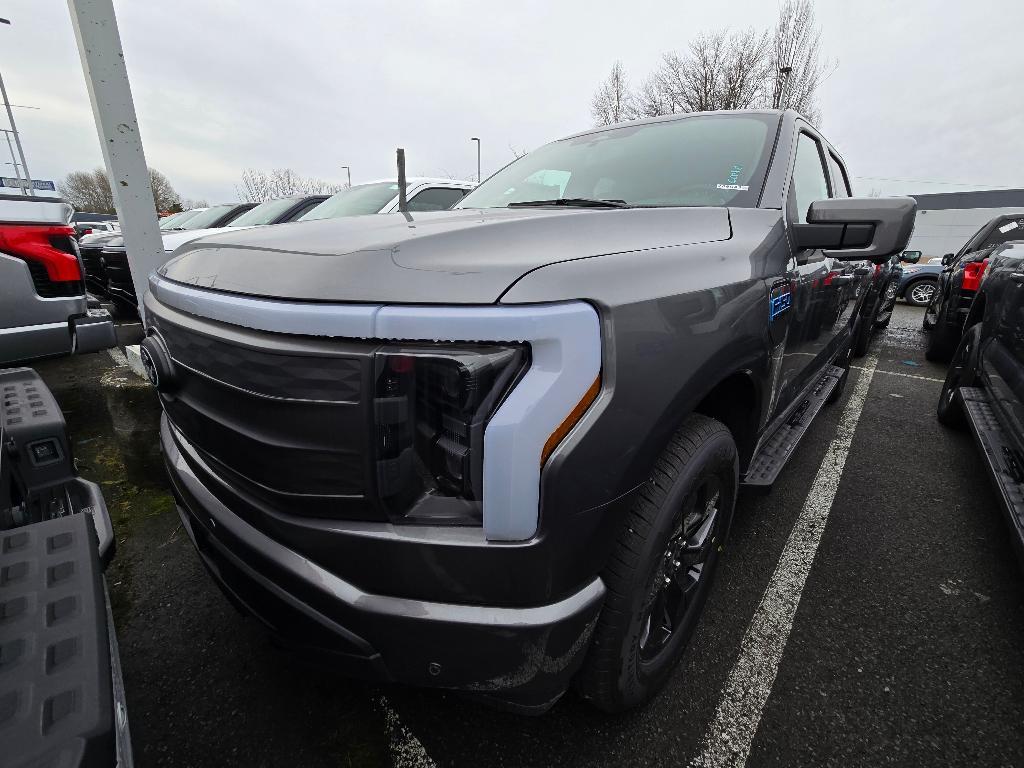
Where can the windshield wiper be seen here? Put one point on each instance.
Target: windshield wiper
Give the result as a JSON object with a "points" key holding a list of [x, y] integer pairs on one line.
{"points": [[573, 202]]}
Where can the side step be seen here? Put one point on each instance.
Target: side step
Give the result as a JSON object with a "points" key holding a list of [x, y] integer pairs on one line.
{"points": [[774, 454], [1005, 463]]}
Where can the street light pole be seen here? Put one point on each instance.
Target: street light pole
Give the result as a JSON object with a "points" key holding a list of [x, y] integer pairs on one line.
{"points": [[780, 95], [14, 161], [478, 179], [14, 130], [349, 172]]}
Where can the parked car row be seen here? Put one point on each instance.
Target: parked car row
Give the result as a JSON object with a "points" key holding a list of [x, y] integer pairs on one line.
{"points": [[106, 261]]}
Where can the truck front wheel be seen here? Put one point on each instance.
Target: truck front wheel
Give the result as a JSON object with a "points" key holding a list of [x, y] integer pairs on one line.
{"points": [[660, 572]]}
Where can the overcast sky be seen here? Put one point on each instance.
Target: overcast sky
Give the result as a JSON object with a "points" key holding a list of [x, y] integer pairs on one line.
{"points": [[924, 91]]}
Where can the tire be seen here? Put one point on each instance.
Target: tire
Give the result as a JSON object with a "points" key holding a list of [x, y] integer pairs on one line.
{"points": [[630, 658], [919, 293], [844, 362], [930, 316], [942, 342], [963, 372], [861, 337], [884, 315]]}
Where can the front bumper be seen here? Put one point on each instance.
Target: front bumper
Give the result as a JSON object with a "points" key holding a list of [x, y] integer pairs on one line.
{"points": [[523, 658]]}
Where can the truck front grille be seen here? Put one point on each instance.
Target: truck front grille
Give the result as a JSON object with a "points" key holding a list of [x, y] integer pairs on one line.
{"points": [[281, 418]]}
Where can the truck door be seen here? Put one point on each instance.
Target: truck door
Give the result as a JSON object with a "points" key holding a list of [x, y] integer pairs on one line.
{"points": [[817, 296], [1004, 354]]}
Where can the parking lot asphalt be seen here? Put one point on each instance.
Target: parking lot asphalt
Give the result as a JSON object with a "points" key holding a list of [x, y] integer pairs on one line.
{"points": [[868, 611]]}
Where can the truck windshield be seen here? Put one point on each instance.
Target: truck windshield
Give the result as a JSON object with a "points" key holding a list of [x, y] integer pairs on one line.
{"points": [[355, 201], [206, 218], [264, 213], [691, 161]]}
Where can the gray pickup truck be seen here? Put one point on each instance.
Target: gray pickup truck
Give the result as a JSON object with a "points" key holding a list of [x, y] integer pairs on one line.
{"points": [[497, 449], [44, 309]]}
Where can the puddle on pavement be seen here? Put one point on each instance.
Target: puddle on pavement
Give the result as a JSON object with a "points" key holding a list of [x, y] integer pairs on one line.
{"points": [[113, 421]]}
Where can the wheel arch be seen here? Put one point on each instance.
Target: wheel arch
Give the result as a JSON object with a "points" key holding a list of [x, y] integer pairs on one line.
{"points": [[735, 401], [977, 311]]}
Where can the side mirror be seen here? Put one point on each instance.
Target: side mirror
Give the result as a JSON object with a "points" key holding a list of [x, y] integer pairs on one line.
{"points": [[910, 257], [858, 228], [947, 259]]}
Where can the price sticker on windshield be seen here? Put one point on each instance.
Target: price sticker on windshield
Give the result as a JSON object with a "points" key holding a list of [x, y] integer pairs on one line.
{"points": [[1007, 227]]}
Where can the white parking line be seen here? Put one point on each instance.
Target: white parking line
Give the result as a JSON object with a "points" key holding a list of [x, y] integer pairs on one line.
{"points": [[118, 357], [405, 750], [903, 375], [731, 733]]}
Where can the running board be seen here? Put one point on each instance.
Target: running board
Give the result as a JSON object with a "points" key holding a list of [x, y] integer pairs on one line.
{"points": [[774, 454], [1004, 461]]}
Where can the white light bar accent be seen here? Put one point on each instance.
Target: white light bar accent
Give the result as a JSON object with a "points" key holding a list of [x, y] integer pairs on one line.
{"points": [[565, 345]]}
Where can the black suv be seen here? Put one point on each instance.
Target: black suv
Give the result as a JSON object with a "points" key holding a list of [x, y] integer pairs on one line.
{"points": [[958, 283], [497, 448], [984, 386]]}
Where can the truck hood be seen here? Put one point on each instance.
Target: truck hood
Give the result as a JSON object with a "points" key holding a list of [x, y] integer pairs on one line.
{"points": [[173, 240], [450, 257]]}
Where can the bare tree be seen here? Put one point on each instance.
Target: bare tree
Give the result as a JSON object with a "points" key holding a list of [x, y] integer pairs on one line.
{"points": [[655, 97], [721, 70], [164, 196], [728, 69], [188, 203], [90, 191], [257, 186], [612, 102], [798, 68]]}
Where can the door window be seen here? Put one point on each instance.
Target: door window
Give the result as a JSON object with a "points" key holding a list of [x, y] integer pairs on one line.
{"points": [[840, 184], [436, 199], [809, 180]]}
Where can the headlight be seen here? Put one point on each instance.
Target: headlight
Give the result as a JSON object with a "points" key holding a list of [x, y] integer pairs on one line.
{"points": [[431, 405]]}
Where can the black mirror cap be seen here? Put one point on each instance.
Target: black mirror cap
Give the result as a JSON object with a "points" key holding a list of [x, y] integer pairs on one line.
{"points": [[892, 219], [910, 257], [947, 259]]}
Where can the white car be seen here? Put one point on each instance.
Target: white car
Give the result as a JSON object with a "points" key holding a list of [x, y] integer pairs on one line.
{"points": [[424, 194]]}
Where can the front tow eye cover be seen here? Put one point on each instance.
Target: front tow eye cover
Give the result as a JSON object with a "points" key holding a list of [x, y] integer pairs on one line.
{"points": [[156, 362]]}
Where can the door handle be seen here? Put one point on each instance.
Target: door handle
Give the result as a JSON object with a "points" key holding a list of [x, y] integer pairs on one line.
{"points": [[1017, 277]]}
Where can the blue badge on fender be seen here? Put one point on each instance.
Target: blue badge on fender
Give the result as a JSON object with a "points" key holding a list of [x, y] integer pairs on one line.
{"points": [[779, 301]]}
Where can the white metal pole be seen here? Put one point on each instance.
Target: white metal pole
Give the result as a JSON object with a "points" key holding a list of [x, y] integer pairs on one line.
{"points": [[14, 161], [99, 46], [17, 138]]}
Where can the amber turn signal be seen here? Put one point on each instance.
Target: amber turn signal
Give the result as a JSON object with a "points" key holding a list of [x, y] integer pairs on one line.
{"points": [[570, 421]]}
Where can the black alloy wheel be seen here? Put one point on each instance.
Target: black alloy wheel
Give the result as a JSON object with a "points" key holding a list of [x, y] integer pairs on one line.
{"points": [[660, 571], [691, 548], [888, 305]]}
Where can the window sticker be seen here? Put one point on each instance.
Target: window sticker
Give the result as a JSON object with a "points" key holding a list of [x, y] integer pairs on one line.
{"points": [[733, 181], [1004, 229]]}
